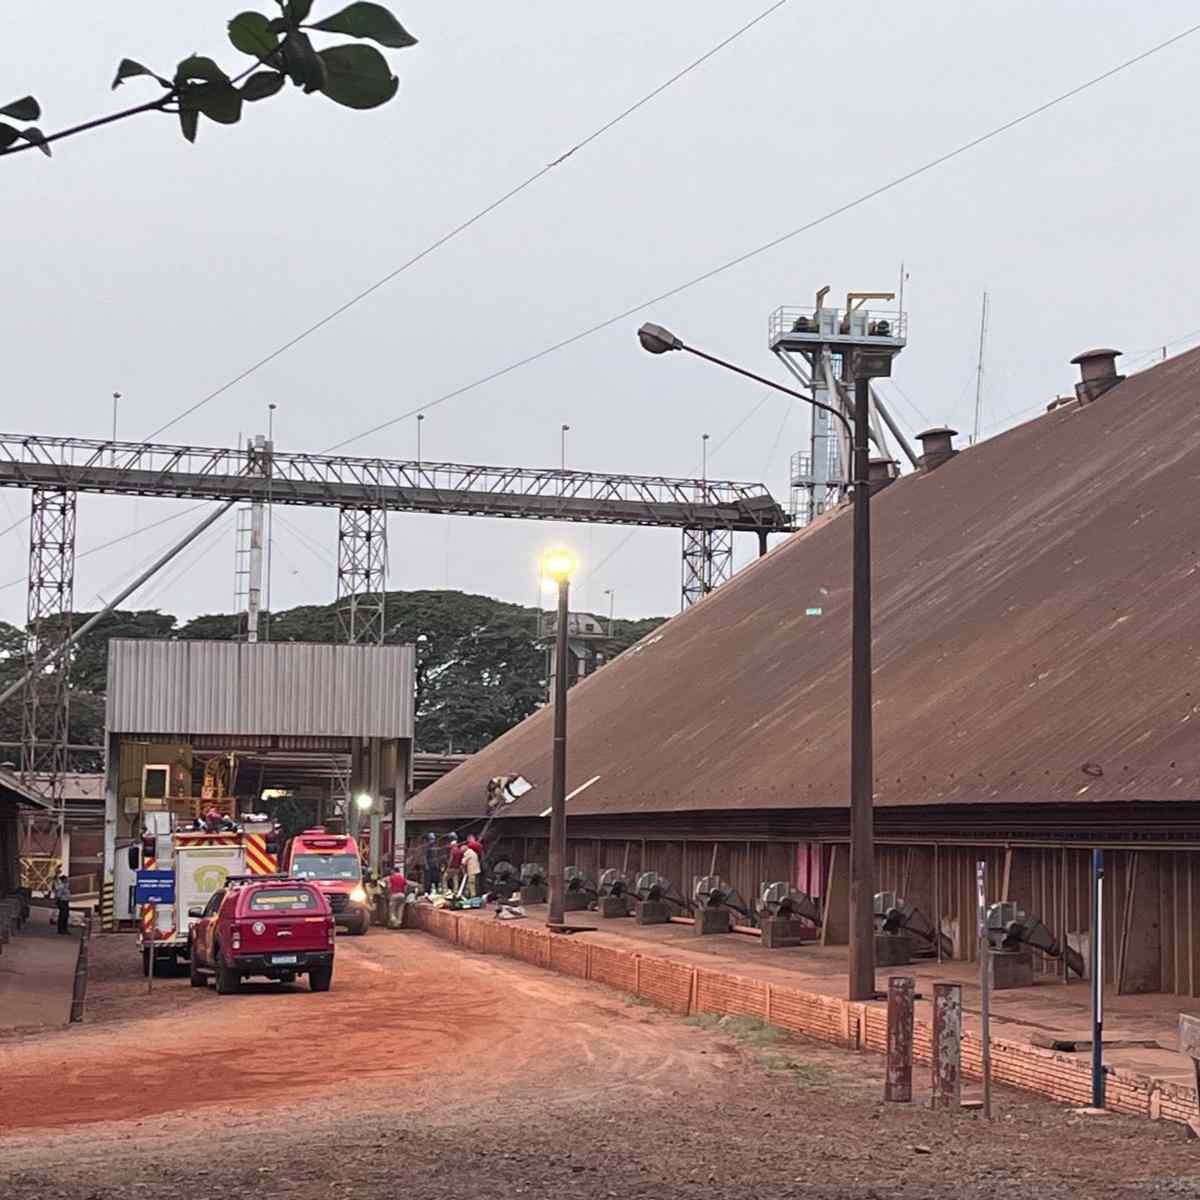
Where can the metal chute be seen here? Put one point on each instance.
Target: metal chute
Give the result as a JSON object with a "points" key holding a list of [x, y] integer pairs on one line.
{"points": [[1009, 927], [894, 914], [711, 891]]}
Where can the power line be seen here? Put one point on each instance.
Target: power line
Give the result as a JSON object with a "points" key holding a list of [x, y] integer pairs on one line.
{"points": [[840, 210], [465, 225]]}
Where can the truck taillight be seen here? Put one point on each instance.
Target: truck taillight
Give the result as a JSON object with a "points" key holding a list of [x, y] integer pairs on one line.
{"points": [[237, 937], [329, 932]]}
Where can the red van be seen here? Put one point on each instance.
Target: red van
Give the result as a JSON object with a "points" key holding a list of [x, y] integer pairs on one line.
{"points": [[276, 928], [331, 862]]}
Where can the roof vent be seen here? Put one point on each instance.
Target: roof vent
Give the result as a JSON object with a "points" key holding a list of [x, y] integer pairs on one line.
{"points": [[937, 447], [881, 472], [1097, 373]]}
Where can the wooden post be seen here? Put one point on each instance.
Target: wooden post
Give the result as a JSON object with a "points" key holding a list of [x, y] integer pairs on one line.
{"points": [[1189, 1044], [898, 1081], [947, 1045], [985, 986]]}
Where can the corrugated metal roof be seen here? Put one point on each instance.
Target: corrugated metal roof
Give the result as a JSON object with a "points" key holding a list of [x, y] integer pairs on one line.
{"points": [[1037, 638], [12, 789], [185, 687]]}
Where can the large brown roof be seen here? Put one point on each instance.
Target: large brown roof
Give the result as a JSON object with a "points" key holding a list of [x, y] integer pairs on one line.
{"points": [[1037, 629]]}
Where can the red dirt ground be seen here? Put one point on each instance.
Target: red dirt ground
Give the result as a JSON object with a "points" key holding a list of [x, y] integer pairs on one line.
{"points": [[428, 1071]]}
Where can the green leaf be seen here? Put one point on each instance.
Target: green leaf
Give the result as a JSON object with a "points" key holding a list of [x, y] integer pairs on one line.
{"points": [[297, 10], [220, 102], [250, 32], [189, 118], [35, 137], [357, 76], [262, 84], [277, 25], [8, 135], [302, 63], [25, 109], [197, 67], [128, 68], [364, 20]]}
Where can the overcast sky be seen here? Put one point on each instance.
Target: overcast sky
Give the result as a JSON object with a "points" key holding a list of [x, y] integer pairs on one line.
{"points": [[137, 263]]}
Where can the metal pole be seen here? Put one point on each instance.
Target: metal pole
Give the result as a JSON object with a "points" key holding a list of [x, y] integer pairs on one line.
{"points": [[985, 983], [563, 448], [897, 1086], [1097, 967], [558, 807], [121, 596], [420, 418], [862, 834], [112, 460]]}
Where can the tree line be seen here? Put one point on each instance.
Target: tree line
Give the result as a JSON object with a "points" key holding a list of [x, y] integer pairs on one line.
{"points": [[481, 668]]}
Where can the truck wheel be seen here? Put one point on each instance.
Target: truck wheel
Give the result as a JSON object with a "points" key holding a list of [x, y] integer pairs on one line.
{"points": [[146, 961], [195, 976], [228, 981], [288, 977], [359, 927], [319, 978]]}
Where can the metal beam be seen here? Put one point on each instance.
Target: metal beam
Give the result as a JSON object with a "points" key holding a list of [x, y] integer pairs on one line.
{"points": [[197, 472], [362, 574], [707, 563]]}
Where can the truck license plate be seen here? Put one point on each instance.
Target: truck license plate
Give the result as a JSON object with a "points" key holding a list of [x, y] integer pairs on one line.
{"points": [[282, 959]]}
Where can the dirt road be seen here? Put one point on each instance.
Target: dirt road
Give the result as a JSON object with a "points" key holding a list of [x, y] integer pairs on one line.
{"points": [[427, 1072]]}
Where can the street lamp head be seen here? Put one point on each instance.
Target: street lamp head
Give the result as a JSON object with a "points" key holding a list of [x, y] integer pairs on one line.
{"points": [[657, 340], [363, 801], [558, 564]]}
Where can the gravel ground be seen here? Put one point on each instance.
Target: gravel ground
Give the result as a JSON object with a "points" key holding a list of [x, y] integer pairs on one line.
{"points": [[427, 1071]]}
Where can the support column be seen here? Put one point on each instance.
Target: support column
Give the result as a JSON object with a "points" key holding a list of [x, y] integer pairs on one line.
{"points": [[45, 721], [362, 574], [707, 562]]}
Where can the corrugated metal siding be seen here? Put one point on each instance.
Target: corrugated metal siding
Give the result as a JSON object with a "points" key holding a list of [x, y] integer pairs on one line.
{"points": [[295, 688]]}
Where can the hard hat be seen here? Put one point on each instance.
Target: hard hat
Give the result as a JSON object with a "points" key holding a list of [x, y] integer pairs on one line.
{"points": [[431, 837], [454, 837]]}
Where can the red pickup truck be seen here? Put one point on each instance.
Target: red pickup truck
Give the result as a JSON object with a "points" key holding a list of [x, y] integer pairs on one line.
{"points": [[277, 928]]}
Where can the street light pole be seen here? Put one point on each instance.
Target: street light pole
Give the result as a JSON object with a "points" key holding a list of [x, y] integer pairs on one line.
{"points": [[559, 565], [861, 983], [862, 767]]}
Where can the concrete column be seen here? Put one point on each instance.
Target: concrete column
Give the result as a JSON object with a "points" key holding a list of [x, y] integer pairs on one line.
{"points": [[947, 1045], [898, 1081]]}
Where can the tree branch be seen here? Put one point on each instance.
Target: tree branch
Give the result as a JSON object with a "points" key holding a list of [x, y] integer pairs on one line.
{"points": [[150, 106]]}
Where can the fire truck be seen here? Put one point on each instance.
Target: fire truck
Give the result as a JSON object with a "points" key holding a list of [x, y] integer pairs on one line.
{"points": [[182, 868]]}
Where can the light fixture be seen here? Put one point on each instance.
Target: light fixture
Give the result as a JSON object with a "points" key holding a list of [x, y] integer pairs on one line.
{"points": [[558, 564], [363, 801]]}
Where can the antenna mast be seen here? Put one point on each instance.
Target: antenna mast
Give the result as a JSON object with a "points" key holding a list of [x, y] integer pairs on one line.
{"points": [[979, 369]]}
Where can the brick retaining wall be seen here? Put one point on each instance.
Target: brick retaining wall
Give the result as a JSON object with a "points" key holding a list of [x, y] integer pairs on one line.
{"points": [[685, 989]]}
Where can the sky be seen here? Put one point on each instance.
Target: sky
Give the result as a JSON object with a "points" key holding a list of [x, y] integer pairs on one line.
{"points": [[142, 265]]}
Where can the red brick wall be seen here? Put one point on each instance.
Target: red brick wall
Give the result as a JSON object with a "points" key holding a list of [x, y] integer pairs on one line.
{"points": [[684, 989]]}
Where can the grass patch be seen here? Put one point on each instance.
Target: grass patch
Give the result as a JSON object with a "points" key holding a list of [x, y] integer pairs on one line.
{"points": [[750, 1031], [639, 1001], [756, 1033], [802, 1074]]}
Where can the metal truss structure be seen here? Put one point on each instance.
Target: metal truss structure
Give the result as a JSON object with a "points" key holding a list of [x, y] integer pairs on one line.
{"points": [[361, 574], [707, 562], [195, 472], [45, 717]]}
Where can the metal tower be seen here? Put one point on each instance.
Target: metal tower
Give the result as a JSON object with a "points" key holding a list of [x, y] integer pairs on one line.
{"points": [[248, 554], [707, 562], [806, 341], [362, 574], [46, 712]]}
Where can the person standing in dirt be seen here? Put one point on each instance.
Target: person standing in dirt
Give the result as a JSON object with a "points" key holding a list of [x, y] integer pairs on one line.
{"points": [[471, 865], [454, 864], [61, 894], [397, 896]]}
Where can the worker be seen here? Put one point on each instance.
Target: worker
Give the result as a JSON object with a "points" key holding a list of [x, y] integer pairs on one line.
{"points": [[470, 860], [429, 865], [454, 864], [61, 894], [397, 895], [475, 844]]}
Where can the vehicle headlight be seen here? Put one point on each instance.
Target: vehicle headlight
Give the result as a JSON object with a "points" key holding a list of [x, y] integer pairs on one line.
{"points": [[359, 895]]}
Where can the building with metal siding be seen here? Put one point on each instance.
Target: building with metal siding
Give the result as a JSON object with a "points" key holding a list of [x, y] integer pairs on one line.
{"points": [[274, 688], [316, 720], [1037, 652]]}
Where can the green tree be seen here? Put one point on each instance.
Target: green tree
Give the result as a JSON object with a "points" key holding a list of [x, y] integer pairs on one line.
{"points": [[280, 49]]}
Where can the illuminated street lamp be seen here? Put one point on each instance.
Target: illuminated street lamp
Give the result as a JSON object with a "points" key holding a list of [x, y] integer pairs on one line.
{"points": [[559, 565], [363, 801]]}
